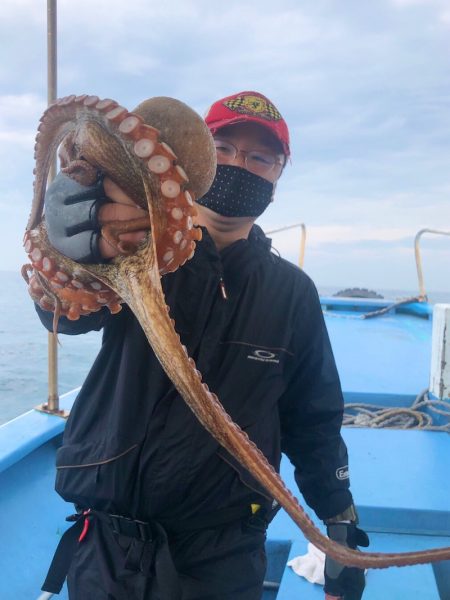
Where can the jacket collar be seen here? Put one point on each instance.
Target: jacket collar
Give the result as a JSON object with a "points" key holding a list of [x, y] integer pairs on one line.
{"points": [[237, 259]]}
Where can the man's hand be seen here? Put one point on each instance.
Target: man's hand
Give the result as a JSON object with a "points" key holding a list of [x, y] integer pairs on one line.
{"points": [[75, 214], [121, 208], [344, 582]]}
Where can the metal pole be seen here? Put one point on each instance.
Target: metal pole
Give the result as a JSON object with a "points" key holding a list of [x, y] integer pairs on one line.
{"points": [[422, 292], [51, 53], [53, 398], [419, 234], [301, 258]]}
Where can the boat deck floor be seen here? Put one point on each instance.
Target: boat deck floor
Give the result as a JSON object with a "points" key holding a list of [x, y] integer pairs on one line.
{"points": [[371, 353]]}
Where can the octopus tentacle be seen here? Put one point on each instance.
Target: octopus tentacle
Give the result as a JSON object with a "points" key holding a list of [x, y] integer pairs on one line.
{"points": [[55, 285], [114, 229], [133, 153], [210, 412]]}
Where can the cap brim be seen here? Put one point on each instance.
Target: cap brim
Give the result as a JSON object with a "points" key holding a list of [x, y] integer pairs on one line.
{"points": [[214, 127]]}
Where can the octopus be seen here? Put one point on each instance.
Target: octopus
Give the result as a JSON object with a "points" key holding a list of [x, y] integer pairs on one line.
{"points": [[162, 156]]}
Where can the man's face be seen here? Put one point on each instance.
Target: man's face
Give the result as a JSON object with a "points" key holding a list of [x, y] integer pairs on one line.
{"points": [[252, 147]]}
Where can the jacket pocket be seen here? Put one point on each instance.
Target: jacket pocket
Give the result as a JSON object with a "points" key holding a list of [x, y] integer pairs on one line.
{"points": [[97, 475], [244, 475]]}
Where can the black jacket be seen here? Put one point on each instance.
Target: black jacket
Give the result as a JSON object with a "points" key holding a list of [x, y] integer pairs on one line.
{"points": [[132, 446]]}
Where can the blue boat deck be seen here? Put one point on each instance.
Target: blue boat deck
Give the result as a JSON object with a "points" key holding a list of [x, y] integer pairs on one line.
{"points": [[384, 359], [402, 508]]}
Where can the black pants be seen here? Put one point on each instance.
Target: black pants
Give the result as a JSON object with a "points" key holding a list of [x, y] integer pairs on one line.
{"points": [[226, 563]]}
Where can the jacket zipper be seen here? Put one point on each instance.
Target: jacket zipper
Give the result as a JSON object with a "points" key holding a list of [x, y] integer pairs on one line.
{"points": [[223, 289]]}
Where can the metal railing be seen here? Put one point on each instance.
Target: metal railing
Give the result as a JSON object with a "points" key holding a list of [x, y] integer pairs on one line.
{"points": [[301, 258], [422, 291]]}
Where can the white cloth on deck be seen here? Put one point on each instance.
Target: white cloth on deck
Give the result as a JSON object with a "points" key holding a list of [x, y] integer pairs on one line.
{"points": [[310, 565]]}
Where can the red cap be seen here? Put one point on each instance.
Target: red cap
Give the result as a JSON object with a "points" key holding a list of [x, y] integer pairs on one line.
{"points": [[248, 106]]}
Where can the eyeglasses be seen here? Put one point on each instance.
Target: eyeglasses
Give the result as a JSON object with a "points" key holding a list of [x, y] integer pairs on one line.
{"points": [[256, 161]]}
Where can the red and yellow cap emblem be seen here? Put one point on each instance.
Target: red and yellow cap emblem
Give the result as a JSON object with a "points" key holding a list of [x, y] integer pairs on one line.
{"points": [[254, 105]]}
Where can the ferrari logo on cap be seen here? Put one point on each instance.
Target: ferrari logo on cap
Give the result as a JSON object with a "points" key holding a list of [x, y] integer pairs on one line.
{"points": [[255, 106]]}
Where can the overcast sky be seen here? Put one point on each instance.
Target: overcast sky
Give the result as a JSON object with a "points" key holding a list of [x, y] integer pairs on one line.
{"points": [[364, 87]]}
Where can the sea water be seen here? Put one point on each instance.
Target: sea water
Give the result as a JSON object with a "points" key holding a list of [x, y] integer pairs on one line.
{"points": [[24, 355], [24, 343]]}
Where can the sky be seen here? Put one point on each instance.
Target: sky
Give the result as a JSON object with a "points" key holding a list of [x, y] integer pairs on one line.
{"points": [[363, 86]]}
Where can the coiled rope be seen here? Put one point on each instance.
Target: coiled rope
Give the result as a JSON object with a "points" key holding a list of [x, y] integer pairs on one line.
{"points": [[414, 417]]}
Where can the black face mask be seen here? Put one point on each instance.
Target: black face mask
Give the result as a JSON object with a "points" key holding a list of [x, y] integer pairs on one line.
{"points": [[236, 192]]}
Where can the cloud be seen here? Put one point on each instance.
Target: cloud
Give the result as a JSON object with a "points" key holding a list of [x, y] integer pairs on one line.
{"points": [[19, 114], [24, 139], [19, 107], [408, 3], [445, 17], [13, 11], [135, 63]]}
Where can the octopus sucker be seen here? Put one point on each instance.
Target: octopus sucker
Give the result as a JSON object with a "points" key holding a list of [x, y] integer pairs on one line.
{"points": [[117, 114], [159, 164], [144, 147], [170, 188], [36, 255], [47, 265], [61, 276], [66, 100], [106, 104], [181, 152], [91, 101], [177, 236], [168, 150], [130, 125], [77, 284], [182, 174]]}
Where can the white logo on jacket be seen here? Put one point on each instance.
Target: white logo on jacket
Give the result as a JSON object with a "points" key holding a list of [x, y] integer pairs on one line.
{"points": [[264, 356], [342, 473]]}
